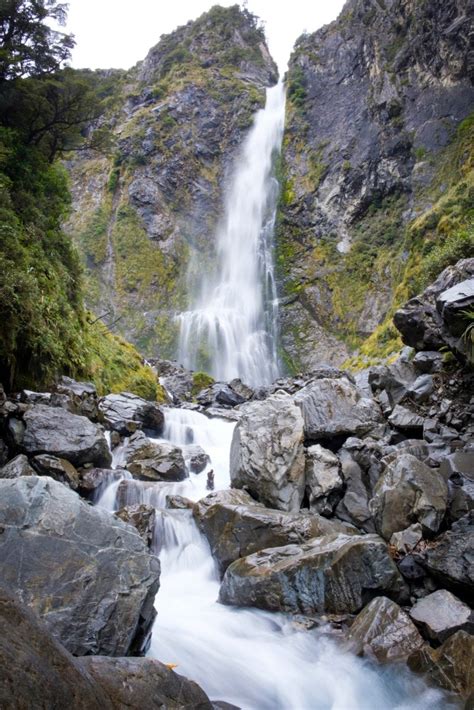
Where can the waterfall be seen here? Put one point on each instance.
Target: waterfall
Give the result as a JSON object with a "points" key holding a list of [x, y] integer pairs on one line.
{"points": [[234, 320]]}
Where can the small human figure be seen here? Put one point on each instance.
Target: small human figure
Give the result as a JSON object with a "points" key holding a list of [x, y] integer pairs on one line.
{"points": [[210, 480]]}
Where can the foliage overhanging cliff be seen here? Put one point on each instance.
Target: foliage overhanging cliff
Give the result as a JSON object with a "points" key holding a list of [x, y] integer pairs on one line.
{"points": [[378, 172]]}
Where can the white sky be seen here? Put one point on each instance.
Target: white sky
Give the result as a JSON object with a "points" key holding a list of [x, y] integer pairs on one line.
{"points": [[115, 33]]}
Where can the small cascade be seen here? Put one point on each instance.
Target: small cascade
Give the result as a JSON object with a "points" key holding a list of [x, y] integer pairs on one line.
{"points": [[234, 319], [254, 659]]}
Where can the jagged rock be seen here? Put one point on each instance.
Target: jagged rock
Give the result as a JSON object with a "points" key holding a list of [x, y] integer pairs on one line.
{"points": [[30, 397], [411, 569], [395, 380], [324, 483], [408, 492], [220, 394], [52, 430], [405, 540], [241, 389], [429, 321], [428, 361], [450, 665], [152, 461], [179, 503], [354, 506], [267, 456], [461, 497], [422, 388], [92, 480], [59, 469], [177, 381], [335, 407], [19, 466], [405, 419], [195, 457], [336, 573], [126, 412], [450, 557], [385, 632], [142, 517], [16, 431], [88, 575], [458, 463], [235, 529], [143, 683], [441, 614], [36, 671], [81, 397]]}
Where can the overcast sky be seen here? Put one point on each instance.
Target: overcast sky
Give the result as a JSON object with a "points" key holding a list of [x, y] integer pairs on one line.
{"points": [[115, 33]]}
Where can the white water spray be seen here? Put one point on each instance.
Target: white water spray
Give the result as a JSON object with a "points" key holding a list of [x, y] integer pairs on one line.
{"points": [[235, 317]]}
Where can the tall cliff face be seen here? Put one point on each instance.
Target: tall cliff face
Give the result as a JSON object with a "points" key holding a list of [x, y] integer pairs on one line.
{"points": [[141, 213], [376, 101]]}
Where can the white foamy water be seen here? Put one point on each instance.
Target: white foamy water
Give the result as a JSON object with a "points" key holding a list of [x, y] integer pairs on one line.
{"points": [[235, 316], [254, 659]]}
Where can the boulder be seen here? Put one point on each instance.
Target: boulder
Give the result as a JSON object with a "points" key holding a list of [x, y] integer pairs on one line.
{"points": [[15, 431], [139, 683], [220, 394], [422, 388], [408, 492], [406, 420], [324, 482], [335, 407], [55, 431], [142, 517], [59, 469], [195, 457], [406, 540], [450, 665], [18, 466], [450, 557], [382, 630], [428, 361], [152, 461], [429, 321], [441, 614], [89, 576], [36, 671], [78, 397], [126, 412], [238, 530], [179, 503], [267, 455], [354, 506], [335, 573]]}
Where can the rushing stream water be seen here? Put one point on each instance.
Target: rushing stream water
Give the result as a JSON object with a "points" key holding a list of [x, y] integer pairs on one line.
{"points": [[235, 316], [254, 659]]}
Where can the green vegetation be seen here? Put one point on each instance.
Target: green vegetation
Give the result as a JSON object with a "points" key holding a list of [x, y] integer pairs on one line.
{"points": [[201, 380], [44, 109]]}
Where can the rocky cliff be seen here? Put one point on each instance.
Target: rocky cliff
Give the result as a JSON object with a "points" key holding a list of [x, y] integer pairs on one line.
{"points": [[145, 214], [377, 169]]}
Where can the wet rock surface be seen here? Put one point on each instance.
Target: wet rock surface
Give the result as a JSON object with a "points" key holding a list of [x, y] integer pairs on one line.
{"points": [[267, 456], [126, 412], [152, 461], [54, 431], [98, 571], [336, 573], [450, 665], [441, 614], [382, 630]]}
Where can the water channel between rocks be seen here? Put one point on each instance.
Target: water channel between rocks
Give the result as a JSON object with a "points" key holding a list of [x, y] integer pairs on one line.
{"points": [[254, 659]]}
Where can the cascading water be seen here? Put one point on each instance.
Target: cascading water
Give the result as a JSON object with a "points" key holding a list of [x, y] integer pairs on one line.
{"points": [[235, 316], [254, 659]]}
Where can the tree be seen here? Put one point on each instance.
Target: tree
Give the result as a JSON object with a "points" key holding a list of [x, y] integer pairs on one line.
{"points": [[28, 44]]}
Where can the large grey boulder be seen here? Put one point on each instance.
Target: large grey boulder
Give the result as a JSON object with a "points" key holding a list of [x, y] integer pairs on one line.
{"points": [[59, 469], [441, 614], [406, 420], [451, 557], [143, 683], [152, 461], [236, 529], [408, 492], [89, 576], [77, 397], [267, 455], [127, 412], [354, 506], [335, 407], [382, 630], [449, 666], [431, 320], [336, 573], [55, 431], [36, 671], [324, 482]]}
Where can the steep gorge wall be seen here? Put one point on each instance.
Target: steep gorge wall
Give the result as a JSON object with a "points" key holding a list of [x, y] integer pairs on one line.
{"points": [[374, 143], [144, 216]]}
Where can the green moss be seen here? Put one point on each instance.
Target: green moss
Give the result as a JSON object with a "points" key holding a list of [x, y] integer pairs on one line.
{"points": [[201, 380]]}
